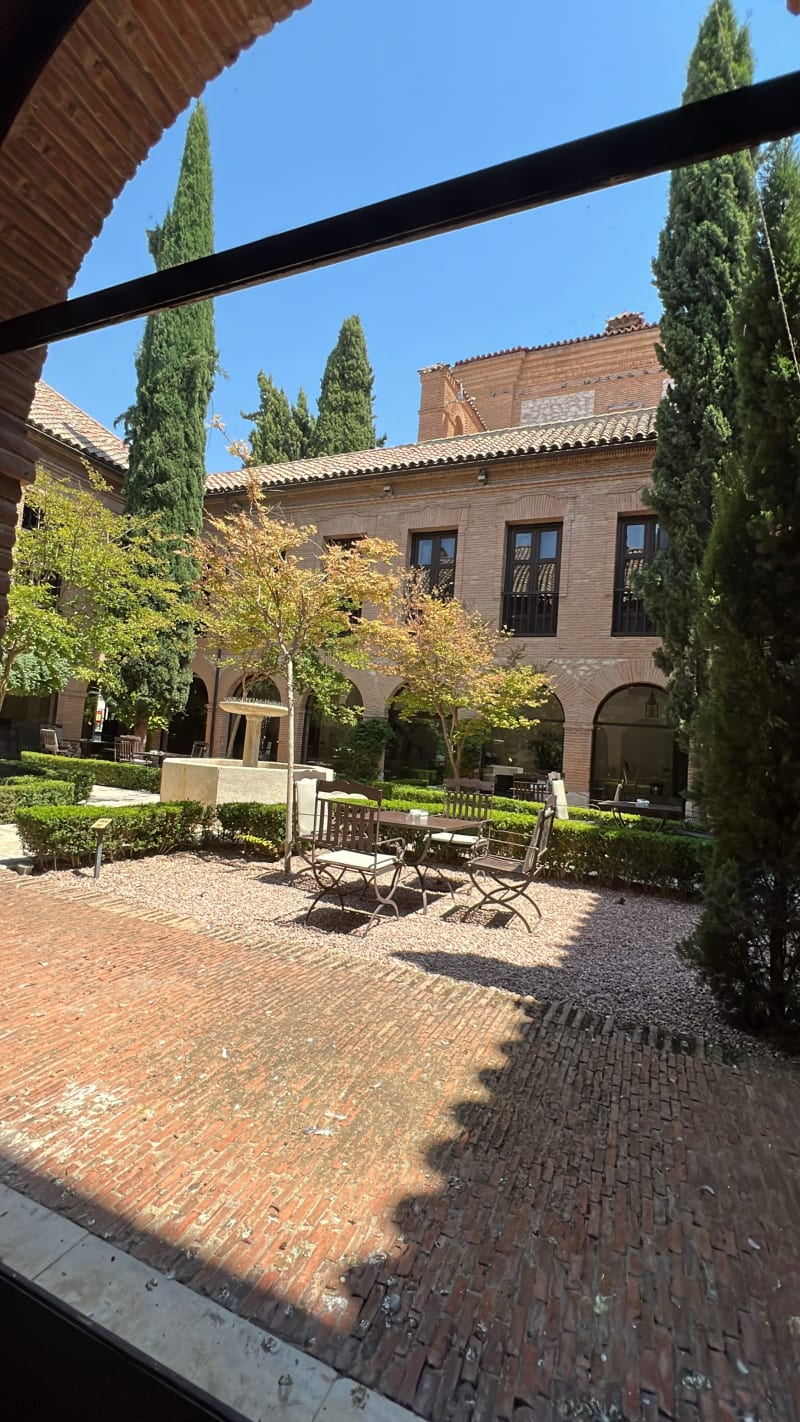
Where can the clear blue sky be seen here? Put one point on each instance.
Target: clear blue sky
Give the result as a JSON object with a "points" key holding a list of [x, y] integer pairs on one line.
{"points": [[351, 101]]}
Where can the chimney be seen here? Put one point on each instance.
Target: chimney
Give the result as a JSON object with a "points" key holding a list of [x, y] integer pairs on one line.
{"points": [[626, 321]]}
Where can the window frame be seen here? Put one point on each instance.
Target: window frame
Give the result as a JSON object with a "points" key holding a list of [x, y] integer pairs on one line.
{"points": [[434, 567], [629, 618], [537, 625]]}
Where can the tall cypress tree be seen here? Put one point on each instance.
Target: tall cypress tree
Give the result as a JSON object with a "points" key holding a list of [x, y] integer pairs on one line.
{"points": [[275, 436], [345, 420], [698, 271], [166, 427], [280, 431], [748, 730]]}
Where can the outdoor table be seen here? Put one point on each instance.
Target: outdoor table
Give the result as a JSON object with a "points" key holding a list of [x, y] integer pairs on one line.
{"points": [[435, 824], [619, 808]]}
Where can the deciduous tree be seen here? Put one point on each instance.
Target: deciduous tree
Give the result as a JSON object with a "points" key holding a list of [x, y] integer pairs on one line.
{"points": [[279, 599], [454, 667], [86, 592]]}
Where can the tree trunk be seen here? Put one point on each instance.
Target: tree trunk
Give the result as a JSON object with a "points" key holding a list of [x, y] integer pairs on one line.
{"points": [[287, 845], [142, 722]]}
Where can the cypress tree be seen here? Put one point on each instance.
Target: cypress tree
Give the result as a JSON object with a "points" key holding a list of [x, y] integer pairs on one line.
{"points": [[305, 422], [698, 271], [748, 941], [345, 420], [275, 436], [166, 427]]}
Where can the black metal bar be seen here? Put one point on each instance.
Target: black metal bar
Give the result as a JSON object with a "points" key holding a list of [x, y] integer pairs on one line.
{"points": [[723, 124]]}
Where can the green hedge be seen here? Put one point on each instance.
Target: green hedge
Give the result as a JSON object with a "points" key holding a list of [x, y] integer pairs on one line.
{"points": [[9, 768], [599, 851], [95, 772], [17, 792], [58, 836], [260, 828], [434, 795]]}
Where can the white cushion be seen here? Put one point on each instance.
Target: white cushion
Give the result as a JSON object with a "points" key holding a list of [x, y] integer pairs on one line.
{"points": [[444, 837], [353, 859], [342, 795], [305, 792]]}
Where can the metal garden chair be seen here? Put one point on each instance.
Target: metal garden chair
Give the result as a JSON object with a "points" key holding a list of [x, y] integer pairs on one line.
{"points": [[502, 880], [346, 842]]}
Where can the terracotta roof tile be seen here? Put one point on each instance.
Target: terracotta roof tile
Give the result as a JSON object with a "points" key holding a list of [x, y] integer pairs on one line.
{"points": [[635, 325], [598, 432], [55, 415]]}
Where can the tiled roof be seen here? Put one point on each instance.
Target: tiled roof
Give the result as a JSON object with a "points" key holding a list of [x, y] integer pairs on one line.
{"points": [[635, 325], [57, 416], [599, 432]]}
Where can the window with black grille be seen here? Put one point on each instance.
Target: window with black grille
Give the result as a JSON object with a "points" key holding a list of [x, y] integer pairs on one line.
{"points": [[639, 538], [530, 596], [435, 555]]}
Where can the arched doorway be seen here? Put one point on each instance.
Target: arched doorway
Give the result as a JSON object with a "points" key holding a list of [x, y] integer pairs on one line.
{"points": [[261, 690], [321, 734], [537, 749], [417, 750], [189, 725], [634, 743]]}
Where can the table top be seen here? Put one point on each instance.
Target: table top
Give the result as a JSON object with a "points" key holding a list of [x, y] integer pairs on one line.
{"points": [[632, 807], [402, 818]]}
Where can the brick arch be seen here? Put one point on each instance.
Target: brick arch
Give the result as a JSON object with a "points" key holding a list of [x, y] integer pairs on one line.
{"points": [[120, 76]]}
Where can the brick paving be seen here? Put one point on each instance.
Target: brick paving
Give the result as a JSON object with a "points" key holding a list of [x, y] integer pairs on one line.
{"points": [[485, 1207]]}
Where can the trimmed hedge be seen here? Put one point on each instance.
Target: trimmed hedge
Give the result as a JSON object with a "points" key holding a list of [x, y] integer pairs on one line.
{"points": [[58, 836], [434, 795], [19, 791], [94, 772], [14, 768], [600, 851], [260, 828]]}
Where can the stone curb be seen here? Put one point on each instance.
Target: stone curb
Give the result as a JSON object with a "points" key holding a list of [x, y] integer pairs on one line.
{"points": [[232, 1360]]}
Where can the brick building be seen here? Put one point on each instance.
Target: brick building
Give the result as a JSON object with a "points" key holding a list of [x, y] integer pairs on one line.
{"points": [[524, 498], [538, 524]]}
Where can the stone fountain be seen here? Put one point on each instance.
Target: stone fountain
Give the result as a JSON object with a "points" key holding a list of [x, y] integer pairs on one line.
{"points": [[255, 713], [217, 780]]}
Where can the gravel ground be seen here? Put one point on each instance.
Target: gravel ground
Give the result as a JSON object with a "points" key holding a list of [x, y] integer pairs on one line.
{"points": [[608, 950]]}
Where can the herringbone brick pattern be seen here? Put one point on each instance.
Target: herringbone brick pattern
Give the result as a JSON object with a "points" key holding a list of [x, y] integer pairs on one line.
{"points": [[484, 1207]]}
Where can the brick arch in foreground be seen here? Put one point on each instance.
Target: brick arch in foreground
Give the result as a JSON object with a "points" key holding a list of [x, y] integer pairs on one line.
{"points": [[118, 78]]}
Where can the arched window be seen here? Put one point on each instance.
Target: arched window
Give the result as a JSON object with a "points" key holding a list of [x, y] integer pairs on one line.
{"points": [[535, 749], [417, 750], [634, 743], [321, 734], [189, 725]]}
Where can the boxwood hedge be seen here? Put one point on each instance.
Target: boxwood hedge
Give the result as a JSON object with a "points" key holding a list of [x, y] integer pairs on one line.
{"points": [[63, 835], [19, 791], [95, 772], [260, 828]]}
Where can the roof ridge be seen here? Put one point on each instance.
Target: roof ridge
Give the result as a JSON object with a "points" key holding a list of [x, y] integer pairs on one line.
{"points": [[593, 431], [551, 345]]}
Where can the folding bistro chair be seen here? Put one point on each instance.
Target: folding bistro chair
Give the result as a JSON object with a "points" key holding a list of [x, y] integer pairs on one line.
{"points": [[464, 800], [129, 748], [502, 880], [346, 842]]}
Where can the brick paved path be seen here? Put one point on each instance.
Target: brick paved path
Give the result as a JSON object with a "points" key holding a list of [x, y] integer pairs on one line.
{"points": [[484, 1208]]}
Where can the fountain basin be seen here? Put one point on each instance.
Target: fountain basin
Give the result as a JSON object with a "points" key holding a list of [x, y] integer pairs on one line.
{"points": [[217, 781]]}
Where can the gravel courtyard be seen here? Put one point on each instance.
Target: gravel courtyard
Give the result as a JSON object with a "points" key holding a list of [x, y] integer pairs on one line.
{"points": [[608, 950]]}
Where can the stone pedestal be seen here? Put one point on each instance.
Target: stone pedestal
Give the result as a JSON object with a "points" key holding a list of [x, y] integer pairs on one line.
{"points": [[220, 782]]}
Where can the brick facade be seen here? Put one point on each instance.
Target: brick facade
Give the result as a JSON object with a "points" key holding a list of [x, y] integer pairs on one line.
{"points": [[584, 490], [593, 375]]}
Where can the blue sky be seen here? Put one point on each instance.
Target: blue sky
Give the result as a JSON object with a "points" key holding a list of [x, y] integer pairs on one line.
{"points": [[351, 101]]}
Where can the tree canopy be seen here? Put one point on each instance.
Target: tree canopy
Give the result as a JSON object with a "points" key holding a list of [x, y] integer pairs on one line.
{"points": [[454, 667], [86, 594], [699, 271], [166, 427], [748, 940], [345, 420]]}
